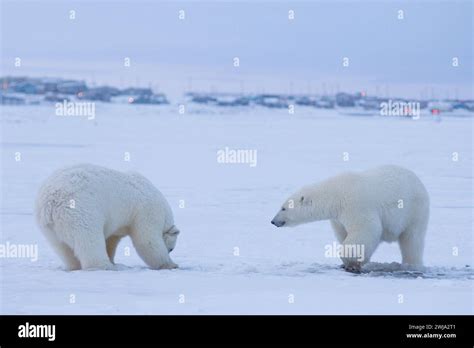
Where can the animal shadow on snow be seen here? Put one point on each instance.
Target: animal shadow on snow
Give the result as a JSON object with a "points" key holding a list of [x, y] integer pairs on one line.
{"points": [[397, 270]]}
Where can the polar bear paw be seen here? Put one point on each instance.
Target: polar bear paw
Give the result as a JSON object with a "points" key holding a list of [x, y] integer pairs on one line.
{"points": [[353, 267], [119, 267], [169, 265]]}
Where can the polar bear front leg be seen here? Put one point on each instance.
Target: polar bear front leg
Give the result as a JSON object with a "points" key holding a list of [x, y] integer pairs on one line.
{"points": [[339, 230], [361, 241], [151, 247]]}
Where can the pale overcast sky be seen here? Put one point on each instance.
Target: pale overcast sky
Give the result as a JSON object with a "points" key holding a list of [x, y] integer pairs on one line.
{"points": [[413, 54]]}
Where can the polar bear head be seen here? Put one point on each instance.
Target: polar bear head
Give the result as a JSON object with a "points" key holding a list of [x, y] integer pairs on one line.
{"points": [[170, 237], [296, 210]]}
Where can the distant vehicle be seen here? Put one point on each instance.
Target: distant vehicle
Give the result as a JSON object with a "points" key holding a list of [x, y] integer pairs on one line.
{"points": [[438, 107], [232, 100], [325, 103], [317, 102], [156, 99], [203, 99], [219, 99], [369, 103], [271, 101], [136, 91], [306, 101]]}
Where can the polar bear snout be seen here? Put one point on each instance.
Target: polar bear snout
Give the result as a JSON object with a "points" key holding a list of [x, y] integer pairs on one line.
{"points": [[281, 218], [170, 237], [278, 223]]}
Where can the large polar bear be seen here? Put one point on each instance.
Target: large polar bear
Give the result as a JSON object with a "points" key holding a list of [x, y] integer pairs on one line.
{"points": [[85, 210], [388, 203]]}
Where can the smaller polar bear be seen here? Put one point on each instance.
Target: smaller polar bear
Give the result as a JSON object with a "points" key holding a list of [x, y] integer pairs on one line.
{"points": [[85, 210], [388, 203]]}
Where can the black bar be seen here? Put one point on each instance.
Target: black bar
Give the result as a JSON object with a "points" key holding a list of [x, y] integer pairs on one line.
{"points": [[288, 330]]}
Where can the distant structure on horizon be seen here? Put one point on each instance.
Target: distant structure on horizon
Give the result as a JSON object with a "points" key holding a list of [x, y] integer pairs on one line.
{"points": [[33, 91]]}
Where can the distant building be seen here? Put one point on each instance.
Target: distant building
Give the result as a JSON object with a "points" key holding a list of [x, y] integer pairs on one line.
{"points": [[345, 100], [98, 94], [50, 84], [27, 87], [71, 87], [17, 90], [6, 99]]}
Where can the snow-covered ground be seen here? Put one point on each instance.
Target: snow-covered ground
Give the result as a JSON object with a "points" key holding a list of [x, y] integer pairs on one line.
{"points": [[229, 206]]}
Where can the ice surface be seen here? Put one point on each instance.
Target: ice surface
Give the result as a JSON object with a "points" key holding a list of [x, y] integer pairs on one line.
{"points": [[229, 206]]}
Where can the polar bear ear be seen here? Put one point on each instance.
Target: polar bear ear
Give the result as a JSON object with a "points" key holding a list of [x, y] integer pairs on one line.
{"points": [[173, 231], [305, 201]]}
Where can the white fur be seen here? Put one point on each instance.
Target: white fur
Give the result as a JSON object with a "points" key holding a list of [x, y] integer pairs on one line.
{"points": [[364, 209], [85, 210]]}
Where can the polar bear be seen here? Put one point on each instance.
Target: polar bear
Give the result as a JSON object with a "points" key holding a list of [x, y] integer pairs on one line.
{"points": [[85, 210], [388, 203]]}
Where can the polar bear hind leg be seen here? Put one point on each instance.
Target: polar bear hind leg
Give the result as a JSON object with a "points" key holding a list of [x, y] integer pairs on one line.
{"points": [[64, 252], [91, 249], [67, 256], [112, 243], [412, 242]]}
